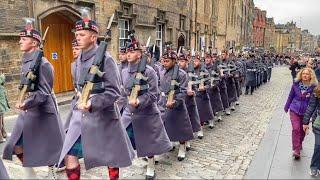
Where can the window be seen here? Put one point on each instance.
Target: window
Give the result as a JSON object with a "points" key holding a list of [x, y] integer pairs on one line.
{"points": [[123, 31], [182, 22], [159, 37]]}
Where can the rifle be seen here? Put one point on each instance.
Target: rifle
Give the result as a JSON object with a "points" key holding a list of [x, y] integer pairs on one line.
{"points": [[153, 60], [192, 77], [29, 83], [203, 74], [215, 78], [139, 77], [94, 74], [173, 84]]}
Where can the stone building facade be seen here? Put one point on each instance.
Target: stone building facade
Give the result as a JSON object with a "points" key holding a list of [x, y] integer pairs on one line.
{"points": [[188, 23], [269, 35], [308, 43], [259, 27]]}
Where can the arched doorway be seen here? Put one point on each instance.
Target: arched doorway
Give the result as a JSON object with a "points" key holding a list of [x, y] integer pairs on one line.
{"points": [[58, 48], [181, 41]]}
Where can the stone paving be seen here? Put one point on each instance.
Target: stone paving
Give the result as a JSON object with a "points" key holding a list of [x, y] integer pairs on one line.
{"points": [[224, 153]]}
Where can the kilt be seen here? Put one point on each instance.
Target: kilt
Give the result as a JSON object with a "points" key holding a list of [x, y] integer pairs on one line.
{"points": [[20, 141], [76, 149], [130, 133]]}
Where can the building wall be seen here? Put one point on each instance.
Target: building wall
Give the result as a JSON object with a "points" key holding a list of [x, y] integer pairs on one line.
{"points": [[188, 19], [259, 26], [269, 35]]}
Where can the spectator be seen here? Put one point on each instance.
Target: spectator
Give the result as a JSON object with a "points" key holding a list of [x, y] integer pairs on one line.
{"points": [[297, 103], [317, 71], [314, 108], [294, 67], [4, 107]]}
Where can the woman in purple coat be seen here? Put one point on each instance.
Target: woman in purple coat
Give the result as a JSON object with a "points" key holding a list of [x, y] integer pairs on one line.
{"points": [[297, 103]]}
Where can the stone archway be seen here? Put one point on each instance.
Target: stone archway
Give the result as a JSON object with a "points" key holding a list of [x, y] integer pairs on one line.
{"points": [[58, 48], [181, 41]]}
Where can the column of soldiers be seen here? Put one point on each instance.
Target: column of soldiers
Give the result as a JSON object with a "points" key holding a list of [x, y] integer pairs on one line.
{"points": [[138, 108]]}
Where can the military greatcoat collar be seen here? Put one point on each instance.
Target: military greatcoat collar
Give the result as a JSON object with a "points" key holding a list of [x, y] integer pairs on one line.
{"points": [[133, 67], [89, 54], [29, 56]]}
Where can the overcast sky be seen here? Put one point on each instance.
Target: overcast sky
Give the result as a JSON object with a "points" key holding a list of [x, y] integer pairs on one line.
{"points": [[305, 12]]}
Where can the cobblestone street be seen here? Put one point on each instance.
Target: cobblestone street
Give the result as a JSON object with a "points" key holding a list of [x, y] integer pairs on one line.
{"points": [[225, 152]]}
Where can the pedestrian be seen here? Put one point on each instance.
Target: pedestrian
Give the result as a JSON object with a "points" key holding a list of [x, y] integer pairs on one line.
{"points": [[37, 136], [317, 70], [95, 133], [314, 107], [297, 103], [4, 107]]}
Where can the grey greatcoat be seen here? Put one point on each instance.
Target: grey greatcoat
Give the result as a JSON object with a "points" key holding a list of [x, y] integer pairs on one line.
{"points": [[149, 132], [176, 120], [103, 137], [214, 90], [231, 86], [193, 111], [3, 171], [203, 102], [223, 88], [122, 102], [39, 124], [251, 73]]}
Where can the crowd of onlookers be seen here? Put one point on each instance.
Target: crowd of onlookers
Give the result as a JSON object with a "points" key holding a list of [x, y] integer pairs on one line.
{"points": [[303, 105]]}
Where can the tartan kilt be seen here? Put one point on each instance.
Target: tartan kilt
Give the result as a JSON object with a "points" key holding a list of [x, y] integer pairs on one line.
{"points": [[76, 149]]}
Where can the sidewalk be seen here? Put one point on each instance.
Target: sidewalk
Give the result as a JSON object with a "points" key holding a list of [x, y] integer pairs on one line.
{"points": [[273, 159]]}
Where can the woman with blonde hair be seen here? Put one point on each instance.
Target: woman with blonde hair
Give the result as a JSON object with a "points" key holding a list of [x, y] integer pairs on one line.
{"points": [[297, 103]]}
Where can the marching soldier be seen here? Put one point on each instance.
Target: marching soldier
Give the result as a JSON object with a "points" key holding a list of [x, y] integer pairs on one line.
{"points": [[191, 104], [250, 75], [141, 114], [231, 87], [223, 86], [95, 132], [237, 77], [37, 136], [173, 87], [202, 96], [76, 51], [123, 63], [214, 91]]}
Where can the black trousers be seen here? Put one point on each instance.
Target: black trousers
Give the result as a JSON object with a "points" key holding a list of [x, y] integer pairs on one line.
{"points": [[315, 161], [251, 89]]}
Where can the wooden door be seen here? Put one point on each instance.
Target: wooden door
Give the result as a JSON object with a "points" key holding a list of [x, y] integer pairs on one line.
{"points": [[58, 50]]}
